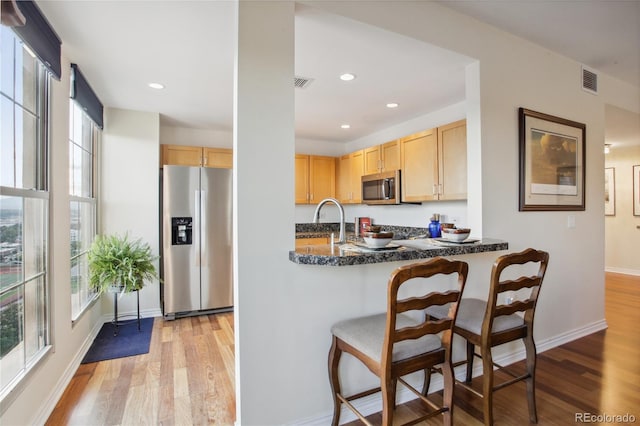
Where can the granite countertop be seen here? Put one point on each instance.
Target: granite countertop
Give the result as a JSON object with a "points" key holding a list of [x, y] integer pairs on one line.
{"points": [[353, 253], [350, 254]]}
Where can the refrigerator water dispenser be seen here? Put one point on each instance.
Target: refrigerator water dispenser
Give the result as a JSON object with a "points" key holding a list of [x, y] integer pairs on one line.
{"points": [[181, 231]]}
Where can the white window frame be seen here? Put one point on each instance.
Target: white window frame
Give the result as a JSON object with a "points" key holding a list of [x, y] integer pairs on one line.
{"points": [[87, 195], [22, 360]]}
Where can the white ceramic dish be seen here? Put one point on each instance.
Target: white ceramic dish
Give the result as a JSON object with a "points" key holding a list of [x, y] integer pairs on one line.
{"points": [[376, 242], [455, 237]]}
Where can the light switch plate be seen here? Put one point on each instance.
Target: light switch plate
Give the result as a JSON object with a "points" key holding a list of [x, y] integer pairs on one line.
{"points": [[571, 221]]}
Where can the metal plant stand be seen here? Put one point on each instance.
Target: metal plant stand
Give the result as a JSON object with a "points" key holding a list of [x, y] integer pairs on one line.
{"points": [[115, 321]]}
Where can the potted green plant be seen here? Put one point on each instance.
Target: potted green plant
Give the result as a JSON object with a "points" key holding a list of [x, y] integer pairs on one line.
{"points": [[119, 264]]}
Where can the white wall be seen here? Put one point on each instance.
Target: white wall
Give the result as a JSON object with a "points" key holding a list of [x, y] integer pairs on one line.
{"points": [[622, 237], [284, 359], [263, 214], [196, 137], [130, 192]]}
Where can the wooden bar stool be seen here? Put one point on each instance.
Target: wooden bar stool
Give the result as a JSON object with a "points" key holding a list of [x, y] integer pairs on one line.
{"points": [[394, 344], [489, 323]]}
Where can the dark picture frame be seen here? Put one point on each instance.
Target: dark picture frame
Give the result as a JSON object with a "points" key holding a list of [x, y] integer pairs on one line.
{"points": [[609, 191], [552, 162]]}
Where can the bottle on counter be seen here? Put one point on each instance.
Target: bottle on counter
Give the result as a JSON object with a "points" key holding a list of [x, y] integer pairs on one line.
{"points": [[434, 226]]}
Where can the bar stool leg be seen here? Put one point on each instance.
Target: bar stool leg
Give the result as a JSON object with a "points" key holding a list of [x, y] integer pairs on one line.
{"points": [[471, 348], [334, 360], [487, 386], [530, 348]]}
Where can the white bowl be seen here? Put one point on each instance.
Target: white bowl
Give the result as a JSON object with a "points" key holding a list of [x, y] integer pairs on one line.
{"points": [[455, 235], [377, 242]]}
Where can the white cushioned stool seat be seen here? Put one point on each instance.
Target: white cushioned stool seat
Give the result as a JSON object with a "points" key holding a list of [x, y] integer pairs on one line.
{"points": [[471, 313], [367, 335]]}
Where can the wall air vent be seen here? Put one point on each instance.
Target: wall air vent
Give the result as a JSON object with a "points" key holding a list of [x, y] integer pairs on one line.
{"points": [[589, 81], [302, 82]]}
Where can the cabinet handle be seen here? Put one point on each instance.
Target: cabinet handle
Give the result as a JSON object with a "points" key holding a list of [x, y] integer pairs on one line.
{"points": [[435, 189], [204, 161]]}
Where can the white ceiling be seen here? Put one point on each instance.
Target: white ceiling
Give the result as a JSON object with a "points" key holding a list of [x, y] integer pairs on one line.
{"points": [[189, 47]]}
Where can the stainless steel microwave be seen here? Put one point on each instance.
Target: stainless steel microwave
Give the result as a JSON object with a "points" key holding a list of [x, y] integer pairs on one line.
{"points": [[381, 188]]}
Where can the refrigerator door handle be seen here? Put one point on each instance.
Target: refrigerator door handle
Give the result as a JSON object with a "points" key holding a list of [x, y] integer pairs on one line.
{"points": [[196, 226], [203, 255]]}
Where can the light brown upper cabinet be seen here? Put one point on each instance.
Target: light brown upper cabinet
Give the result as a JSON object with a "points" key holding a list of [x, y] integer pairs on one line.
{"points": [[452, 161], [350, 168], [382, 158], [221, 158], [434, 164], [182, 155], [419, 165], [315, 178], [179, 155]]}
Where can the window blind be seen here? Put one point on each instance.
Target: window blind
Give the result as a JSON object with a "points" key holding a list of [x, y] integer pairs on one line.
{"points": [[38, 34], [84, 95]]}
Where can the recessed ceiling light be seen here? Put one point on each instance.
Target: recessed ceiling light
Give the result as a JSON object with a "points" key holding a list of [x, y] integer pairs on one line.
{"points": [[156, 85], [347, 77], [392, 105], [346, 126]]}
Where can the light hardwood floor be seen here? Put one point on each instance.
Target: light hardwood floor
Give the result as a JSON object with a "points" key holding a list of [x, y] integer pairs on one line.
{"points": [[188, 376]]}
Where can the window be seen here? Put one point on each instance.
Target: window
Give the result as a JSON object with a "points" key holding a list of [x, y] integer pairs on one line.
{"points": [[84, 137], [24, 210]]}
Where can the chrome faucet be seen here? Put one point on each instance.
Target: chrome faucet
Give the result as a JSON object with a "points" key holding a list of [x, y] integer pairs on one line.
{"points": [[316, 216]]}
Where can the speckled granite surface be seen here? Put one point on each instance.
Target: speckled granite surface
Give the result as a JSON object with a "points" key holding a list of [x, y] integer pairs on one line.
{"points": [[352, 254], [316, 230]]}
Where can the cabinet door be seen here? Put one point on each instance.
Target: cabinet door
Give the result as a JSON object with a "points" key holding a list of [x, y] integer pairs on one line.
{"points": [[179, 155], [322, 178], [343, 179], [357, 171], [390, 156], [221, 158], [302, 179], [372, 160], [419, 164], [452, 156]]}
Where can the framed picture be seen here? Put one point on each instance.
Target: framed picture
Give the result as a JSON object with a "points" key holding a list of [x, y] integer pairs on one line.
{"points": [[609, 191], [636, 190], [552, 162]]}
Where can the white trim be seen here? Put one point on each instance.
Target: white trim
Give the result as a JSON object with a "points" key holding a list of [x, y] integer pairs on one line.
{"points": [[56, 393], [624, 271], [373, 404], [48, 406]]}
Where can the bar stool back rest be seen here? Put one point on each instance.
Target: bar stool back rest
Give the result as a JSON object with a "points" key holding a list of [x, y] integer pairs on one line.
{"points": [[500, 325], [393, 344]]}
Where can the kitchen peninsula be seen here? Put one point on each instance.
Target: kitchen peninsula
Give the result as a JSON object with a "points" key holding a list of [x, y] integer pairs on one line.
{"points": [[408, 247]]}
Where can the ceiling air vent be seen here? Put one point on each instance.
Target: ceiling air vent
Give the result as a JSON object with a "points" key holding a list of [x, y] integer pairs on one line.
{"points": [[589, 81], [302, 82]]}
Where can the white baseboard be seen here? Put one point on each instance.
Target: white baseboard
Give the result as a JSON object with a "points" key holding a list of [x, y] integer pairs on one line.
{"points": [[624, 271], [373, 404], [50, 404]]}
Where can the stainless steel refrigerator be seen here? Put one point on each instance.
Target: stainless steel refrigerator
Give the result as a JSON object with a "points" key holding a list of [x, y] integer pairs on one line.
{"points": [[197, 258]]}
